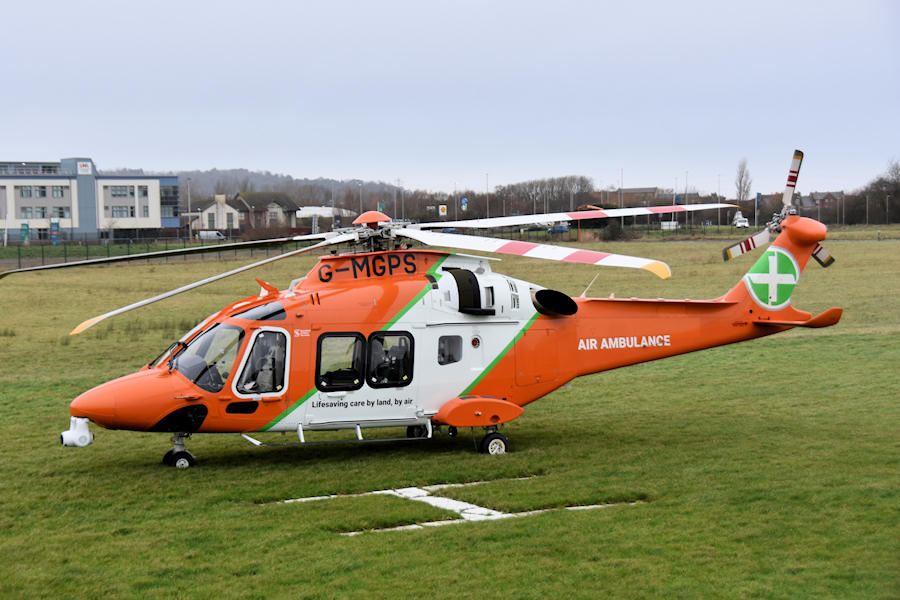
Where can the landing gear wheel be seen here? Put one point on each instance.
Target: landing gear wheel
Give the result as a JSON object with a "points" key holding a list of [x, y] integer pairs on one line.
{"points": [[183, 459], [494, 443], [416, 431], [451, 431], [178, 456]]}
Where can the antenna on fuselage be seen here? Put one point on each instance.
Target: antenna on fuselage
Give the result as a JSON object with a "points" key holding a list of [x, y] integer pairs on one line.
{"points": [[584, 293]]}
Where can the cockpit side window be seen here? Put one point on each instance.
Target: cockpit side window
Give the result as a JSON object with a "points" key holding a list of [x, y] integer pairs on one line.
{"points": [[390, 359], [209, 357], [340, 362], [264, 368]]}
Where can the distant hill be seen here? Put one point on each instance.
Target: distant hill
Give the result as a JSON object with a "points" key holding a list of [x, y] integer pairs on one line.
{"points": [[205, 184]]}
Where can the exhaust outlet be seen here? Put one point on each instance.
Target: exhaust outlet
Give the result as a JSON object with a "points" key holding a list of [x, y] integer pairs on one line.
{"points": [[553, 303]]}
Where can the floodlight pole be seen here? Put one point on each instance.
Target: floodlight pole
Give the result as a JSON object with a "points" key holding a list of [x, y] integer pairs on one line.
{"points": [[190, 223], [487, 195]]}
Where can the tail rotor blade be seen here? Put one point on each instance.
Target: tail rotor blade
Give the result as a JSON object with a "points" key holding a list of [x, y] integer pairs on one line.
{"points": [[793, 173], [822, 256], [754, 241]]}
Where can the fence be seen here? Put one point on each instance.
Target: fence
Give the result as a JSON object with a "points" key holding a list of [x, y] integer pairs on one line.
{"points": [[39, 253]]}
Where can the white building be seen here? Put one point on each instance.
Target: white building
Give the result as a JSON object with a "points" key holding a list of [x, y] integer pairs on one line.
{"points": [[70, 195]]}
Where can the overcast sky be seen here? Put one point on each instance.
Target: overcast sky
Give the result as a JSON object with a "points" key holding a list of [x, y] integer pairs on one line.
{"points": [[439, 94]]}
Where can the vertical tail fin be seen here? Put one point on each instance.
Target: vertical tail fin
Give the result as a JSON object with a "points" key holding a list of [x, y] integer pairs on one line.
{"points": [[772, 279]]}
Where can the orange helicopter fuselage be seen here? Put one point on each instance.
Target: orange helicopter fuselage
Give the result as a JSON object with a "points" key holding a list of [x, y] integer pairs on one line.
{"points": [[405, 337]]}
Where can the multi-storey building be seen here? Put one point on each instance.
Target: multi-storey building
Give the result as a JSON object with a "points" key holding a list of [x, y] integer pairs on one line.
{"points": [[72, 197]]}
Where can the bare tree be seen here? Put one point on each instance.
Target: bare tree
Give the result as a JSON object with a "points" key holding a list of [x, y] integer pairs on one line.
{"points": [[743, 181]]}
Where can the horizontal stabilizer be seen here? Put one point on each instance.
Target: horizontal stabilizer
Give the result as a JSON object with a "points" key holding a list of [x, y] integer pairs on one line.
{"points": [[826, 319]]}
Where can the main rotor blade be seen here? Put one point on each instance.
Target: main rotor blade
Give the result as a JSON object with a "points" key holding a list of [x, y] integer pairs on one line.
{"points": [[754, 241], [94, 320], [174, 252], [532, 250], [569, 216], [793, 173]]}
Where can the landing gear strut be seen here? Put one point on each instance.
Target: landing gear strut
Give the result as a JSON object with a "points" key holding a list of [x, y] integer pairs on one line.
{"points": [[178, 456]]}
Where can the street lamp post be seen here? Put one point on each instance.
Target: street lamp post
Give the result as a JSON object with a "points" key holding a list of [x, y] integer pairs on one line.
{"points": [[487, 196], [719, 199], [190, 221]]}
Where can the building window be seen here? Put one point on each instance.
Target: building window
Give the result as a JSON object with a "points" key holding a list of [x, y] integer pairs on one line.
{"points": [[61, 212], [121, 191], [40, 212], [229, 220], [25, 212], [24, 191], [130, 211], [142, 191], [58, 191], [120, 212], [40, 191], [145, 211], [211, 221], [167, 211]]}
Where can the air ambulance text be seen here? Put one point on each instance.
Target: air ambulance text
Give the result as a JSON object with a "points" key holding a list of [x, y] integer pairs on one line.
{"points": [[632, 341]]}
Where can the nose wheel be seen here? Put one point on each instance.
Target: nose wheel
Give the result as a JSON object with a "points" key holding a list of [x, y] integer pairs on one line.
{"points": [[178, 456]]}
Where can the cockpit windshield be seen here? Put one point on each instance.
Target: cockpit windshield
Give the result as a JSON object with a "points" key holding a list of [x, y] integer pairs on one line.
{"points": [[208, 359]]}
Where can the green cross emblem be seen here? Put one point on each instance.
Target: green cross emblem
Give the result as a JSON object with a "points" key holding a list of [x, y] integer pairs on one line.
{"points": [[772, 279]]}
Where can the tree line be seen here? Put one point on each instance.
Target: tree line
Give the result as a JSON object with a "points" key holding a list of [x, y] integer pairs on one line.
{"points": [[877, 202]]}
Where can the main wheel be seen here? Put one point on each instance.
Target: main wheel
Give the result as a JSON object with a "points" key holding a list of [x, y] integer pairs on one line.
{"points": [[182, 460], [494, 443], [167, 458], [416, 431]]}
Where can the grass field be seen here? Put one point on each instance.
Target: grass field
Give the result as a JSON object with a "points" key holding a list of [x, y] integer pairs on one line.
{"points": [[768, 469]]}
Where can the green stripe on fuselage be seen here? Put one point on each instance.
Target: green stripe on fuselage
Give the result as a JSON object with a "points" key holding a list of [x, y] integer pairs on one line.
{"points": [[433, 272], [503, 353]]}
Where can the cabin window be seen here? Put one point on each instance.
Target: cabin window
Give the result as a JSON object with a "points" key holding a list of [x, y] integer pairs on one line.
{"points": [[340, 361], [390, 359], [449, 349], [264, 371], [209, 357]]}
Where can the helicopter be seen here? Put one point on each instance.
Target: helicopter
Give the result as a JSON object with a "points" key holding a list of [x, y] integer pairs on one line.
{"points": [[390, 335]]}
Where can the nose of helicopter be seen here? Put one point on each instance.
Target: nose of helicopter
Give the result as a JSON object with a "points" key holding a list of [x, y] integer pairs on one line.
{"points": [[97, 404], [135, 401]]}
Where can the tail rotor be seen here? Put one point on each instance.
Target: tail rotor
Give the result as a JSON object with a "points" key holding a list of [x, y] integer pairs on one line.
{"points": [[773, 227]]}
